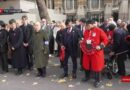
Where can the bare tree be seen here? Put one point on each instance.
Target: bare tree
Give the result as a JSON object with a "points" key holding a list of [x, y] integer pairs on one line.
{"points": [[42, 9]]}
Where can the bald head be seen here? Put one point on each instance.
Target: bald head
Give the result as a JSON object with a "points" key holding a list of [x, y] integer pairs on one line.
{"points": [[37, 26], [43, 21]]}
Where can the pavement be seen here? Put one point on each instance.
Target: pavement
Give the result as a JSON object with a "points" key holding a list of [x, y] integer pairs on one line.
{"points": [[29, 81]]}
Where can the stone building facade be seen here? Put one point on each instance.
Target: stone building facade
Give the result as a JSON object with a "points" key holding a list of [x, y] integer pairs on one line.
{"points": [[94, 9], [73, 9]]}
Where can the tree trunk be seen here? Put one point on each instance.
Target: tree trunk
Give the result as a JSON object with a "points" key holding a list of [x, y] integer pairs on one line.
{"points": [[43, 9]]}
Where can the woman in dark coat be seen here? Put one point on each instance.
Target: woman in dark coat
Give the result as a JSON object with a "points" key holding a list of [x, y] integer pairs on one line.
{"points": [[16, 45], [59, 40]]}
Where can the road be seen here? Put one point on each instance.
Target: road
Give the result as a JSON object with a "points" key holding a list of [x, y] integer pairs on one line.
{"points": [[28, 80]]}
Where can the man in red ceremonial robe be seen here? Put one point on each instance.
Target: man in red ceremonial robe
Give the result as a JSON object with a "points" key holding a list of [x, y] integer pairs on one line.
{"points": [[93, 58]]}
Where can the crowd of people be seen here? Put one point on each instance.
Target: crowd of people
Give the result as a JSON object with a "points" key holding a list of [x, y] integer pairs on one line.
{"points": [[27, 45]]}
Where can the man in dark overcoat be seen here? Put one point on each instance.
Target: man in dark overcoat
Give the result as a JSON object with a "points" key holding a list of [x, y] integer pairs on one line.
{"points": [[27, 37], [3, 48], [17, 48], [120, 47]]}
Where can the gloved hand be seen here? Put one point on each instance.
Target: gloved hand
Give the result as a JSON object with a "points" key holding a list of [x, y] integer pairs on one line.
{"points": [[98, 47]]}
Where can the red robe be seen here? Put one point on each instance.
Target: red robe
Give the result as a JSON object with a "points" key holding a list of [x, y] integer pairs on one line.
{"points": [[94, 59]]}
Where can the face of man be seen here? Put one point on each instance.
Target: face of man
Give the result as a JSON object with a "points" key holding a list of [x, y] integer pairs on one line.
{"points": [[37, 26], [24, 21], [123, 24], [69, 25], [77, 22], [13, 26], [106, 21], [81, 23], [89, 26]]}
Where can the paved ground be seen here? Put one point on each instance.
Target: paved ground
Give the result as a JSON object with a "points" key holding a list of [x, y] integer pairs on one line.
{"points": [[28, 81]]}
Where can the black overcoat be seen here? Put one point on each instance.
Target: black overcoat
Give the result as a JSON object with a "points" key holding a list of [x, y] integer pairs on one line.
{"points": [[16, 41]]}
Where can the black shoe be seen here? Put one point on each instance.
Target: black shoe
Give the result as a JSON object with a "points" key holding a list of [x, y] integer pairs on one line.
{"points": [[19, 73], [43, 75], [81, 69], [64, 75], [2, 72], [85, 79], [6, 70], [38, 75], [97, 84], [30, 68], [74, 76], [61, 66]]}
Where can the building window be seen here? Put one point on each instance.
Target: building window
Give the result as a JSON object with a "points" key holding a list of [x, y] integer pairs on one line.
{"points": [[69, 4], [45, 3], [49, 4], [88, 4], [115, 3], [95, 4], [102, 3], [53, 5], [75, 4], [63, 4]]}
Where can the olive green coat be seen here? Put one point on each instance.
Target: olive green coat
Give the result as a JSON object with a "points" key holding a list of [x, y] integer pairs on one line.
{"points": [[40, 49]]}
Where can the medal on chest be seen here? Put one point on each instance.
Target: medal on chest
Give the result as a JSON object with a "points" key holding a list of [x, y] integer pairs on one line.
{"points": [[94, 34], [89, 44], [88, 41]]}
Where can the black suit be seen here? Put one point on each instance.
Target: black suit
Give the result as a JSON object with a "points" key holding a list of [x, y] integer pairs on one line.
{"points": [[3, 50], [27, 37], [81, 31], [70, 40], [128, 27]]}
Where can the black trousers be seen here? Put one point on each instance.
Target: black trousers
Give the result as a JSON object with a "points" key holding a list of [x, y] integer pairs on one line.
{"points": [[97, 75], [4, 61], [29, 56], [29, 60], [121, 63], [51, 45], [74, 61], [81, 59]]}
